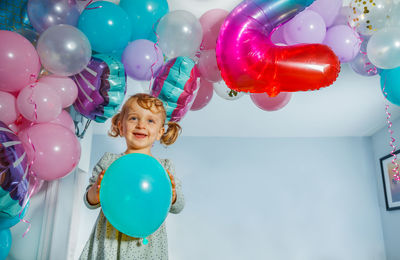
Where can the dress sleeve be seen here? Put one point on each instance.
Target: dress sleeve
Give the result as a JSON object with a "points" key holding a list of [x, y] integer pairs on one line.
{"points": [[180, 200], [98, 168]]}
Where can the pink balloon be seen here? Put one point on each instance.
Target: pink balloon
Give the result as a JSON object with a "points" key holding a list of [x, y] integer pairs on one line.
{"points": [[65, 88], [19, 62], [306, 27], [65, 120], [39, 103], [57, 150], [208, 66], [211, 22], [267, 103], [327, 9], [204, 95], [8, 108]]}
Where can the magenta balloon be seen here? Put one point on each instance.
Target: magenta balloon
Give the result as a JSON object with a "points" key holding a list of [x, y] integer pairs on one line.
{"points": [[327, 9], [57, 150], [211, 22], [204, 95], [208, 66], [344, 41], [39, 103], [8, 108], [306, 27], [267, 103], [19, 62], [65, 88], [142, 59], [65, 120]]}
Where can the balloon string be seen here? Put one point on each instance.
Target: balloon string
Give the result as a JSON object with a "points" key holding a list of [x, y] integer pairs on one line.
{"points": [[91, 8], [396, 175]]}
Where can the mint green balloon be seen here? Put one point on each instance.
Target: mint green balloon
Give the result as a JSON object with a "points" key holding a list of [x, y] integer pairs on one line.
{"points": [[144, 15], [136, 194], [107, 26]]}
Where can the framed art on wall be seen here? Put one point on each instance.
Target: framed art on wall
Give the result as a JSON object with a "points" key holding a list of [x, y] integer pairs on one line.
{"points": [[391, 186]]}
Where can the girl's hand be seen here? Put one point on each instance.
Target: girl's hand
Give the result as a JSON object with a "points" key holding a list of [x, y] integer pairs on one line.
{"points": [[93, 194], [173, 186]]}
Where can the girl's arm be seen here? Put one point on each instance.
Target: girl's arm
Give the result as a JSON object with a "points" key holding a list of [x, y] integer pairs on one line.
{"points": [[179, 203]]}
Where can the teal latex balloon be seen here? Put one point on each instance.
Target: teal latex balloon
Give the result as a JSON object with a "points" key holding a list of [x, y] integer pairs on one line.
{"points": [[144, 15], [107, 26], [6, 223], [5, 243], [136, 194], [390, 84]]}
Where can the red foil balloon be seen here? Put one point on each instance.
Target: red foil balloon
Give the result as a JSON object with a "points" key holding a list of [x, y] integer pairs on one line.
{"points": [[250, 62]]}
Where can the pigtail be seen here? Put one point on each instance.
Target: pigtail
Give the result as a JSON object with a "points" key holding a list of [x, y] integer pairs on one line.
{"points": [[114, 130], [172, 133]]}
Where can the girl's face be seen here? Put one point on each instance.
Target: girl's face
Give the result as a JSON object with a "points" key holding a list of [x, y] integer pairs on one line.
{"points": [[141, 128]]}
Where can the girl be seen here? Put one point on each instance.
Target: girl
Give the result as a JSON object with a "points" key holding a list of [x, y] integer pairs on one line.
{"points": [[141, 123]]}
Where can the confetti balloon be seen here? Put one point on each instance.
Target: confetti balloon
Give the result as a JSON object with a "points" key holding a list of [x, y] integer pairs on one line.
{"points": [[250, 62], [176, 85], [101, 88]]}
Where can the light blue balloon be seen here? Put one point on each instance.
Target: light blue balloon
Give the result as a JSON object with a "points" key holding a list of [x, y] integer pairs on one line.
{"points": [[136, 194], [107, 26], [6, 223], [390, 83], [5, 243], [144, 15]]}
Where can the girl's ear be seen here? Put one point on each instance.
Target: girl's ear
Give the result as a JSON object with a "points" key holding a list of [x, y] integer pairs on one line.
{"points": [[121, 133], [160, 133]]}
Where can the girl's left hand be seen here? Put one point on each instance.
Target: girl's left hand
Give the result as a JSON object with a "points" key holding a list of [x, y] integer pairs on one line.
{"points": [[173, 186]]}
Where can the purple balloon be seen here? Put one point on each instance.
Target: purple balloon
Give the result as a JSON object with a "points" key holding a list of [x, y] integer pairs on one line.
{"points": [[46, 13], [142, 59], [14, 164], [101, 88], [327, 9], [344, 41], [306, 27]]}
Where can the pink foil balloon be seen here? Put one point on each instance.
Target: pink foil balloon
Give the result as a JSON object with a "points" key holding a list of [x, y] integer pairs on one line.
{"points": [[267, 103], [19, 62], [39, 103], [65, 120], [65, 88], [211, 22], [208, 66], [8, 108], [57, 150], [204, 95], [306, 27]]}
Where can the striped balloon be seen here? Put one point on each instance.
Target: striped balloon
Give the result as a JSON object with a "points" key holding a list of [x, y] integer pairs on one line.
{"points": [[176, 85], [14, 164]]}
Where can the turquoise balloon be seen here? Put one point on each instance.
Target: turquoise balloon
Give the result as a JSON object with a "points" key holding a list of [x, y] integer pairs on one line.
{"points": [[390, 80], [107, 26], [6, 223], [5, 243], [144, 14], [136, 194]]}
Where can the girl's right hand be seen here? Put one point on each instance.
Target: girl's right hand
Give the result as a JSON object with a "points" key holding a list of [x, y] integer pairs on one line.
{"points": [[93, 194]]}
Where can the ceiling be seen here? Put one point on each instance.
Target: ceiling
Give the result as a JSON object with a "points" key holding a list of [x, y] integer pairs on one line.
{"points": [[352, 106]]}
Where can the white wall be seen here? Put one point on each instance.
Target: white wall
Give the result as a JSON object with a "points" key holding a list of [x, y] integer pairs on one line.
{"points": [[309, 198], [390, 219]]}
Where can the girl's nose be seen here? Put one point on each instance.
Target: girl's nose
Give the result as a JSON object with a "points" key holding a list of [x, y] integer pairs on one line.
{"points": [[140, 124]]}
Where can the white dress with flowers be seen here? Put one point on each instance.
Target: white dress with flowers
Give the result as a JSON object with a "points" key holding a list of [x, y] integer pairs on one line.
{"points": [[107, 243]]}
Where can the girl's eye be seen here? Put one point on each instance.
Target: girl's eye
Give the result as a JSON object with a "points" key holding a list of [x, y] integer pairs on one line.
{"points": [[151, 121], [133, 118]]}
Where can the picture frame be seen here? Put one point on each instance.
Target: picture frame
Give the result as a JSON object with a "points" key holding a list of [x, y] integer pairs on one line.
{"points": [[391, 187]]}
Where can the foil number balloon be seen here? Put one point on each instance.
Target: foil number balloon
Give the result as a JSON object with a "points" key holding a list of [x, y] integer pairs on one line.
{"points": [[250, 62]]}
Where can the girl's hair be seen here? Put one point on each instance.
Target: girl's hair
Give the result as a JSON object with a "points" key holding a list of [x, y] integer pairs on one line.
{"points": [[153, 104]]}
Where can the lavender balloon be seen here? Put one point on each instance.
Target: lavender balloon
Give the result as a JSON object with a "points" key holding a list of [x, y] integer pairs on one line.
{"points": [[344, 41], [327, 9], [361, 64], [14, 164], [142, 59], [46, 13], [101, 88]]}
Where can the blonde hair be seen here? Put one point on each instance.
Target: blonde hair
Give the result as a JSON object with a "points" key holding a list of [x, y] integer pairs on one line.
{"points": [[153, 104]]}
